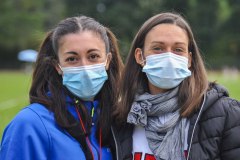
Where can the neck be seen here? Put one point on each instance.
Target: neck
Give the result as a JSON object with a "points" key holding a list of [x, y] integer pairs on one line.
{"points": [[155, 90]]}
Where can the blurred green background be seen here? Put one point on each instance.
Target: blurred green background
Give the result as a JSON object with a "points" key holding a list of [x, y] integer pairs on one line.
{"points": [[215, 23], [15, 86], [23, 24]]}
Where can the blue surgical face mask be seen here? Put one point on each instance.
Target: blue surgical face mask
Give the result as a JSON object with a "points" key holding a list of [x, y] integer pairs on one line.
{"points": [[85, 81], [166, 70]]}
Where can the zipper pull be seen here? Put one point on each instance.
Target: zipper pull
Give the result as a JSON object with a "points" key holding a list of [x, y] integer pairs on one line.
{"points": [[76, 101], [92, 114]]}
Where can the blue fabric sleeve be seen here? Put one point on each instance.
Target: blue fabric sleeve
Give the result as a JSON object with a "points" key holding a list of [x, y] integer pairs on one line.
{"points": [[25, 138]]}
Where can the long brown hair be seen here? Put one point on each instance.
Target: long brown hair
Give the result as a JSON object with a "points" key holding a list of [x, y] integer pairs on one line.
{"points": [[47, 87], [191, 90]]}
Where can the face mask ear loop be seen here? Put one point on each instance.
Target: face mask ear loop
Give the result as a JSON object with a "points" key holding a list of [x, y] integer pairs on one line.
{"points": [[189, 63], [143, 59], [105, 63], [60, 67]]}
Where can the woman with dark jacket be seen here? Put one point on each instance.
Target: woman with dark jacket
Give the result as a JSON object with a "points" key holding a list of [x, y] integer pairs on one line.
{"points": [[167, 108]]}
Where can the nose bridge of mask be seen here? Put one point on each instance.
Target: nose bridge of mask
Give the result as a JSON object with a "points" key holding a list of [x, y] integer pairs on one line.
{"points": [[79, 68], [177, 61], [170, 57]]}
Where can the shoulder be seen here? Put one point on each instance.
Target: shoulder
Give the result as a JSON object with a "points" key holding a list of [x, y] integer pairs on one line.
{"points": [[228, 106], [123, 137], [29, 122], [224, 107], [123, 133], [231, 127], [220, 110], [125, 129], [231, 108], [217, 101], [218, 127], [28, 130], [224, 113], [33, 114]]}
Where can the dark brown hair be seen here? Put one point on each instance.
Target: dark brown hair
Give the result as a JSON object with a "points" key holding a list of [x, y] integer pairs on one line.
{"points": [[47, 87], [191, 90]]}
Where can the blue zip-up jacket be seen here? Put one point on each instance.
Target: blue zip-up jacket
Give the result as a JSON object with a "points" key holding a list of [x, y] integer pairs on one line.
{"points": [[34, 135]]}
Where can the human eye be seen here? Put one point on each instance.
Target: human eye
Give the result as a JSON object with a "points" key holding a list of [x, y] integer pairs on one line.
{"points": [[180, 50], [157, 48], [71, 59], [93, 57]]}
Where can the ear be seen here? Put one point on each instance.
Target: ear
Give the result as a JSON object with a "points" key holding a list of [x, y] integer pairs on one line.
{"points": [[109, 58], [139, 57], [189, 59], [57, 67]]}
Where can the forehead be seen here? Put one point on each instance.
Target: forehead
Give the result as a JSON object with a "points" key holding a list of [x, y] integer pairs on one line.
{"points": [[87, 39], [81, 35], [167, 33]]}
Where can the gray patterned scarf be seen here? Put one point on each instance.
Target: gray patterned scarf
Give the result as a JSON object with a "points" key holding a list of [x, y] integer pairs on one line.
{"points": [[166, 140]]}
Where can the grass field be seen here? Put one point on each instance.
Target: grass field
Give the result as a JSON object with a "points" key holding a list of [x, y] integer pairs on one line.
{"points": [[14, 87]]}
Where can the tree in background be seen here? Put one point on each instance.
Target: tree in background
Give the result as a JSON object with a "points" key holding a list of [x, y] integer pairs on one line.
{"points": [[226, 49], [215, 23], [22, 26]]}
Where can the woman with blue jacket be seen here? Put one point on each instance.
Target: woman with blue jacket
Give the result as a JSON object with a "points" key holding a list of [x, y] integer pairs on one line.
{"points": [[73, 91]]}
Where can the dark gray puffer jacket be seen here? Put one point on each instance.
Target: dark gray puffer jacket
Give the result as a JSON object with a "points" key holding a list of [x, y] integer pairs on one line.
{"points": [[214, 132]]}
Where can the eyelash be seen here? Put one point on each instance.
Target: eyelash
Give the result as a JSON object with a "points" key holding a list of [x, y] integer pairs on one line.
{"points": [[71, 59], [176, 49], [93, 55], [179, 50], [157, 48]]}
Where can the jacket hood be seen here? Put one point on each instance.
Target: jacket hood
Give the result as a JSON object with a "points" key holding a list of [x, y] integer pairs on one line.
{"points": [[214, 93]]}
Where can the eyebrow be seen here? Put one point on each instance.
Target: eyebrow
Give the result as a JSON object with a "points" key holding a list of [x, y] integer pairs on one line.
{"points": [[75, 53], [90, 50], [71, 52], [159, 42]]}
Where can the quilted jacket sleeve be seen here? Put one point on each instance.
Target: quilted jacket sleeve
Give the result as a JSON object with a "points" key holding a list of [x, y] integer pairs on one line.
{"points": [[230, 147]]}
